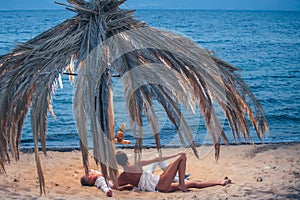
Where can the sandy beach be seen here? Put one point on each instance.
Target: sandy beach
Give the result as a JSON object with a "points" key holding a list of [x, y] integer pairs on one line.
{"points": [[268, 171]]}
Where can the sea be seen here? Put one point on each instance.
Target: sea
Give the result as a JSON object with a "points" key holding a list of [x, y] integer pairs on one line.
{"points": [[265, 45]]}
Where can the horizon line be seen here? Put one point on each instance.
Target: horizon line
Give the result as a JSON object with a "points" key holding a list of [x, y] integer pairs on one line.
{"points": [[142, 9]]}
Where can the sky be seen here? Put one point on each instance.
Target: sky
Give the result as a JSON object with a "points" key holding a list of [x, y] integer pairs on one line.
{"points": [[167, 4]]}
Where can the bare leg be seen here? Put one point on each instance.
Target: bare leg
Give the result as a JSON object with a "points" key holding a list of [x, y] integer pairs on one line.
{"points": [[199, 185], [166, 178]]}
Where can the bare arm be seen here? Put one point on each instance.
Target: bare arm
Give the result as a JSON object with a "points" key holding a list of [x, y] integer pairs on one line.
{"points": [[157, 159], [123, 187]]}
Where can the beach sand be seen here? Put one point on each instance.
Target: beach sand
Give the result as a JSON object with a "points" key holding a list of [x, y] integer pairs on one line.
{"points": [[269, 171]]}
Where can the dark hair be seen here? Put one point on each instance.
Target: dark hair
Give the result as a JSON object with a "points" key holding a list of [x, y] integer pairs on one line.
{"points": [[122, 158], [85, 181]]}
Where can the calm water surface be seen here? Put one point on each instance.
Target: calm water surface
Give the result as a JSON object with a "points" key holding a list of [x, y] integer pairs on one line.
{"points": [[264, 45]]}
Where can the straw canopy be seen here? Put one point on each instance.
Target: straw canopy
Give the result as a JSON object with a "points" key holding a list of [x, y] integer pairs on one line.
{"points": [[102, 39]]}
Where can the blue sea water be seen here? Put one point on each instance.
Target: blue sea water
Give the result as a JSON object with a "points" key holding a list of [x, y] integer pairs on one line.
{"points": [[265, 45]]}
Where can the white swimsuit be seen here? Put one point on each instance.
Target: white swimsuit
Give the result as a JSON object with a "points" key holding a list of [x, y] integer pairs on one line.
{"points": [[148, 182]]}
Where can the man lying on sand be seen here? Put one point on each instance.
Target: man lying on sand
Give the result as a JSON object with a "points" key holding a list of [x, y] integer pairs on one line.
{"points": [[95, 178], [134, 175]]}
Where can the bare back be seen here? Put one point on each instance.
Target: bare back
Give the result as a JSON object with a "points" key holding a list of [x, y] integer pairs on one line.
{"points": [[131, 175], [129, 178]]}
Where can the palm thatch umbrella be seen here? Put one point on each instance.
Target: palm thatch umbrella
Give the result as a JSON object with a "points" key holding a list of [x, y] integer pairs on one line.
{"points": [[153, 64]]}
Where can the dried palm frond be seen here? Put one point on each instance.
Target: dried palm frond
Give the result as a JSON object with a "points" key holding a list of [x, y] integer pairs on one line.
{"points": [[153, 65]]}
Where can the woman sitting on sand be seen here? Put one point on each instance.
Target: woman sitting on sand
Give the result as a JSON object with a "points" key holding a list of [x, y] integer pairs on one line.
{"points": [[134, 175]]}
